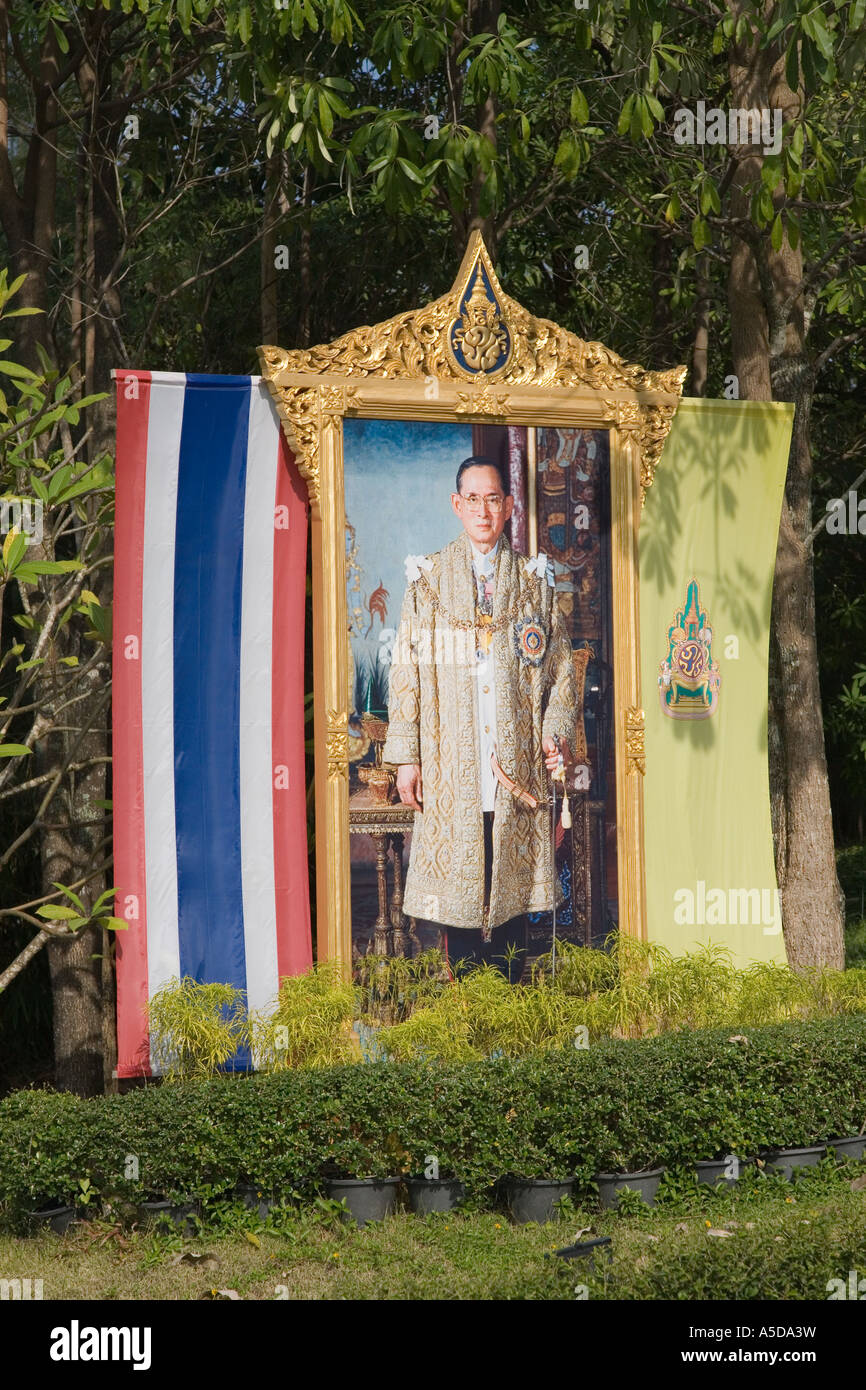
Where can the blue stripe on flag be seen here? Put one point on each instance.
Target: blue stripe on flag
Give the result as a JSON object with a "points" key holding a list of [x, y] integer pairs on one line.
{"points": [[207, 628]]}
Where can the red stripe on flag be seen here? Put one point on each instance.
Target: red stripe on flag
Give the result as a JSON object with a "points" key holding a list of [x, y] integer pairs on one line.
{"points": [[291, 880], [133, 404]]}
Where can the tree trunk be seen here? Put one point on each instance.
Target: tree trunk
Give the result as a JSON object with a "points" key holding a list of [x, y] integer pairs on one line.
{"points": [[770, 360], [700, 349], [275, 208], [664, 348], [82, 986], [68, 849], [481, 17], [306, 266], [28, 214]]}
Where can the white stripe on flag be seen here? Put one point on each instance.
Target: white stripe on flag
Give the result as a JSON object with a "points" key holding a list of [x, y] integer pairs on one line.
{"points": [[157, 670], [256, 761]]}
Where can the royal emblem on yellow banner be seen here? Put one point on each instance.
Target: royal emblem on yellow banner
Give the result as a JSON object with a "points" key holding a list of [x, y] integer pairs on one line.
{"points": [[689, 678]]}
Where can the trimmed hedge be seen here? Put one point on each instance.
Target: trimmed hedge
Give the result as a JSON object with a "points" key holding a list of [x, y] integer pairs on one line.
{"points": [[620, 1105]]}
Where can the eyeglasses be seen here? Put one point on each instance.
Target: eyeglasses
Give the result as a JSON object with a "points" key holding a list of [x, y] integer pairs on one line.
{"points": [[474, 503]]}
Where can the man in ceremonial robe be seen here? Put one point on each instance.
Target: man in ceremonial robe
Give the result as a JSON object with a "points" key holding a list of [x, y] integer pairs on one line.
{"points": [[481, 709]]}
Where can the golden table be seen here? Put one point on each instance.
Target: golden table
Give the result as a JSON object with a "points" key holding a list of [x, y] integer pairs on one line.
{"points": [[386, 823]]}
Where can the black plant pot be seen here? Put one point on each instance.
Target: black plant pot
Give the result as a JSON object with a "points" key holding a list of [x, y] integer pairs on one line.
{"points": [[852, 1147], [788, 1161], [533, 1199], [161, 1211], [368, 1199], [715, 1170], [254, 1200], [55, 1218], [611, 1184], [427, 1195]]}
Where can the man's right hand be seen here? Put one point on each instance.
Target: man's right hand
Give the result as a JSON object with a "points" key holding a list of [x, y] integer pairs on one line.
{"points": [[409, 785]]}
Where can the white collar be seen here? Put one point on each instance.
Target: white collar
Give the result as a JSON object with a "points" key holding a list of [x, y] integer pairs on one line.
{"points": [[484, 563]]}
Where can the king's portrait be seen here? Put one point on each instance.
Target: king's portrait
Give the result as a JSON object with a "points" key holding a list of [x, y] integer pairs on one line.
{"points": [[481, 716]]}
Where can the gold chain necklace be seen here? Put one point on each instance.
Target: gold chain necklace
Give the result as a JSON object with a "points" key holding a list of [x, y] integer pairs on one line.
{"points": [[469, 625]]}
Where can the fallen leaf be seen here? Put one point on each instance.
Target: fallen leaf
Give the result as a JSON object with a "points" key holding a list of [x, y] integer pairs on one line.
{"points": [[253, 1239], [859, 1184], [716, 1231], [681, 1226], [229, 1294]]}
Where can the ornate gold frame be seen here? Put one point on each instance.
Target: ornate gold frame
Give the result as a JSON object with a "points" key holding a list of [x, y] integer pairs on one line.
{"points": [[406, 369]]}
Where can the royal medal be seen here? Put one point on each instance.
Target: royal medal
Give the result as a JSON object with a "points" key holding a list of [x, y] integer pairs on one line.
{"points": [[530, 640]]}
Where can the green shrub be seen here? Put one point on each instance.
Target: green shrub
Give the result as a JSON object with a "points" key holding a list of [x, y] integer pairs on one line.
{"points": [[619, 1105], [415, 1011], [196, 1028], [310, 1025]]}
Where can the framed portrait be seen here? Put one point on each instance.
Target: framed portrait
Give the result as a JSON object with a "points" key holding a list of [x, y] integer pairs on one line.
{"points": [[379, 422]]}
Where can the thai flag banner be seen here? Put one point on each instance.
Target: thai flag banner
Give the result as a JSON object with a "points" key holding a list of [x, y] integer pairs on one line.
{"points": [[210, 846]]}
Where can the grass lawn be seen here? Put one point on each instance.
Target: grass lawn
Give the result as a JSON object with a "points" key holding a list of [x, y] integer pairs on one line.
{"points": [[782, 1241]]}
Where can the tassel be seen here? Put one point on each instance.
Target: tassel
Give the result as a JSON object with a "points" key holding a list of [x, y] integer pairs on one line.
{"points": [[566, 810]]}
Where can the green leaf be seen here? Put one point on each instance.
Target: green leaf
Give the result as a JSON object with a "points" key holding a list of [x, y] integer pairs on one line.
{"points": [[15, 369], [114, 923], [777, 232], [52, 566], [624, 121], [410, 171], [819, 32], [13, 750], [14, 547], [701, 234], [73, 897], [326, 154], [55, 913], [326, 116], [792, 65], [579, 109], [710, 200]]}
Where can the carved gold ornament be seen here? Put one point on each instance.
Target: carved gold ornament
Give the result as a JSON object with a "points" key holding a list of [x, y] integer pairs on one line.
{"points": [[338, 743], [635, 752], [474, 333], [483, 402]]}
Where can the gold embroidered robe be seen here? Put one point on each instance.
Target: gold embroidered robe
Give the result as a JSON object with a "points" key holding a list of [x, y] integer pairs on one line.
{"points": [[433, 721]]}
